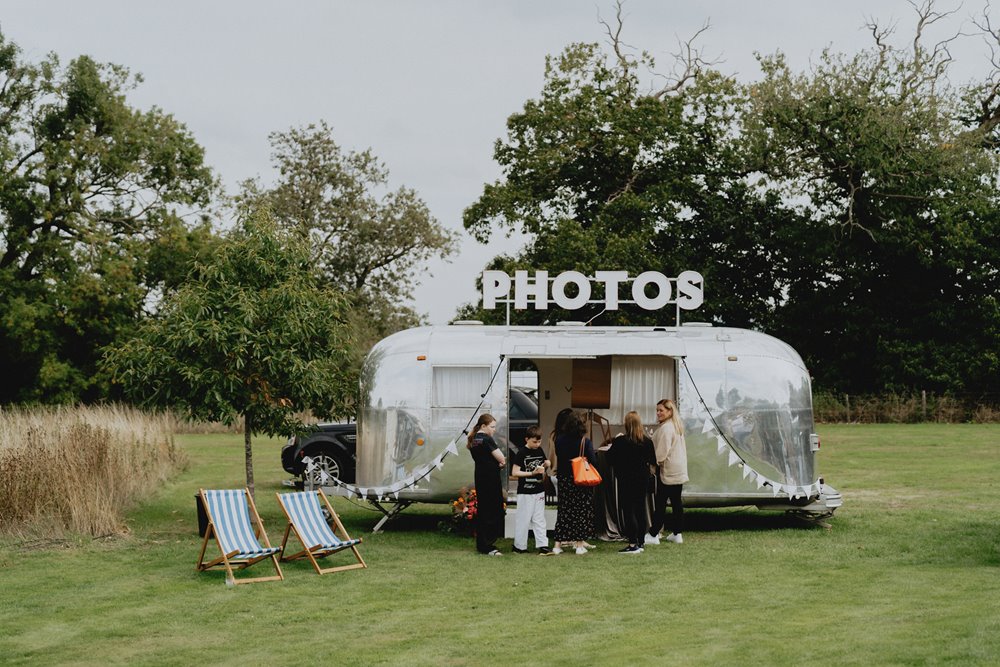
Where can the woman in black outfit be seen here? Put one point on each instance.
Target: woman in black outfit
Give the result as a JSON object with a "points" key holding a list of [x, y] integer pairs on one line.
{"points": [[489, 494], [575, 516], [631, 456]]}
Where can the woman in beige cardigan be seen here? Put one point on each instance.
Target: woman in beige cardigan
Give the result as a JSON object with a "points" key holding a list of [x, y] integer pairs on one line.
{"points": [[671, 460]]}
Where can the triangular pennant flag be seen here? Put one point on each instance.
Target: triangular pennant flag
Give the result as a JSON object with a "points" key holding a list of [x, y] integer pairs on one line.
{"points": [[396, 493], [747, 471], [721, 442], [323, 476], [452, 448], [775, 489], [363, 492], [439, 462], [760, 482], [733, 458], [709, 425]]}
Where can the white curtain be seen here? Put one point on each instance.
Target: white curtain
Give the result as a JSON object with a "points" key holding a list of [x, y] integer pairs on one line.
{"points": [[459, 386], [637, 383]]}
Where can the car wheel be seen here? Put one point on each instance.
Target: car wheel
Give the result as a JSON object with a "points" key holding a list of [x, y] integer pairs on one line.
{"points": [[326, 465]]}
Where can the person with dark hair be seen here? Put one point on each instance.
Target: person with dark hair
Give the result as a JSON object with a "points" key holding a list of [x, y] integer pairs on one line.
{"points": [[671, 459], [529, 470], [631, 455], [489, 492], [575, 516]]}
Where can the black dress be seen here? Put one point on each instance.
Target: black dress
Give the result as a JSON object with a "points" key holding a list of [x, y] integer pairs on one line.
{"points": [[631, 461], [489, 493]]}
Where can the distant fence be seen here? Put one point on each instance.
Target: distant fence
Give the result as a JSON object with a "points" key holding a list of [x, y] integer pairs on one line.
{"points": [[905, 408]]}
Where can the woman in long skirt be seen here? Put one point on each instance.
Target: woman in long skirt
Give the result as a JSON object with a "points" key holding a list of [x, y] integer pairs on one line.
{"points": [[575, 516]]}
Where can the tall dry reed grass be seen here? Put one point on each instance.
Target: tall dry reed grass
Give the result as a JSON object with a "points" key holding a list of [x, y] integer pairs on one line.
{"points": [[75, 470]]}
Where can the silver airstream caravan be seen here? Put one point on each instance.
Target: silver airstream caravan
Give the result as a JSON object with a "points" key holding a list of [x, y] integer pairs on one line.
{"points": [[744, 397]]}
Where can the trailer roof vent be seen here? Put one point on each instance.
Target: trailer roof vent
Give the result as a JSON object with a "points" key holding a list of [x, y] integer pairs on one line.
{"points": [[570, 323], [696, 324], [467, 323]]}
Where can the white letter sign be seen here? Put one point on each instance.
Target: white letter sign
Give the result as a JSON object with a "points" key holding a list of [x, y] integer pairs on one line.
{"points": [[534, 291]]}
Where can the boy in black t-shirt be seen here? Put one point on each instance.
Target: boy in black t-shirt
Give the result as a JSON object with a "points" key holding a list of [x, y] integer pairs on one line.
{"points": [[529, 469]]}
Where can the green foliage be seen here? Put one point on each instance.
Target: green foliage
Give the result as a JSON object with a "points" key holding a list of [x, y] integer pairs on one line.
{"points": [[251, 334], [89, 203], [366, 241], [605, 172], [851, 210], [892, 277]]}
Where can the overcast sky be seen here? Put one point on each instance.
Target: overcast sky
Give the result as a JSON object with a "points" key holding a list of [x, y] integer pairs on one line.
{"points": [[426, 85]]}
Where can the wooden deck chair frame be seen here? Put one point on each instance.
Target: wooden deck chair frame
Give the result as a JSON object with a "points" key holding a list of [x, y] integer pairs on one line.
{"points": [[330, 541], [250, 529]]}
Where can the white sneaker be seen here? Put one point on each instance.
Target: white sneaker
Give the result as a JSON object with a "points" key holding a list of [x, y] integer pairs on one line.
{"points": [[652, 539], [556, 550], [580, 551], [676, 538]]}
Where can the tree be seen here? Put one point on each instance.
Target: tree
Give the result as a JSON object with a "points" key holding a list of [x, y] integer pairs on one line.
{"points": [[370, 247], [90, 199], [252, 334], [894, 269], [850, 210], [607, 170]]}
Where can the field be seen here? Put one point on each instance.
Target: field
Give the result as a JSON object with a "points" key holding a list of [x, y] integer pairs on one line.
{"points": [[908, 574]]}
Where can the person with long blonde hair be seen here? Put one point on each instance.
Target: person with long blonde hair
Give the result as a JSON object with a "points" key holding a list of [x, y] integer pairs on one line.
{"points": [[489, 492], [631, 456], [671, 461]]}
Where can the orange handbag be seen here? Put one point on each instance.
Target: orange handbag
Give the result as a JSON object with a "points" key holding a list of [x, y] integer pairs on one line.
{"points": [[584, 474]]}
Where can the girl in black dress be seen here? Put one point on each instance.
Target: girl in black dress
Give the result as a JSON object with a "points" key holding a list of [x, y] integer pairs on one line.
{"points": [[631, 456], [489, 493]]}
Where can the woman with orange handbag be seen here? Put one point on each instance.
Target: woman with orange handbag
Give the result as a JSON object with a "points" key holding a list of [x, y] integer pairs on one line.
{"points": [[575, 514]]}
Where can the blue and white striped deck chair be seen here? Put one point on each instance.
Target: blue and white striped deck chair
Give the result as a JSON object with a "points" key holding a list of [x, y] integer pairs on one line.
{"points": [[305, 518], [236, 527]]}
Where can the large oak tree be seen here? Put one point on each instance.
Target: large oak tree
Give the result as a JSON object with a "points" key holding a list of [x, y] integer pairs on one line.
{"points": [[91, 196]]}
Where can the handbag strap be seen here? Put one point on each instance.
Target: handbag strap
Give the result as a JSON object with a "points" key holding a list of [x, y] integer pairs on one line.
{"points": [[583, 439]]}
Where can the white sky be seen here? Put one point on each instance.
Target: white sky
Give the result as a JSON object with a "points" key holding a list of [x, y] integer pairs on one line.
{"points": [[427, 85]]}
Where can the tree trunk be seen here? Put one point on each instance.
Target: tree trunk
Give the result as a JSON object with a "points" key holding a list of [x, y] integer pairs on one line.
{"points": [[248, 452]]}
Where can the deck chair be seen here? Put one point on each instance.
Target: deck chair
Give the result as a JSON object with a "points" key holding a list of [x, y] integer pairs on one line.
{"points": [[236, 527], [305, 518]]}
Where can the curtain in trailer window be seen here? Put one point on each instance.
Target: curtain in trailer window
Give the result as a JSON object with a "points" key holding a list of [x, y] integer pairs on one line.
{"points": [[459, 386], [637, 383]]}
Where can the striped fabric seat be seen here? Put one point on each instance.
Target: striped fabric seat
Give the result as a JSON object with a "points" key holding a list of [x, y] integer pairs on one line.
{"points": [[231, 514], [236, 528], [305, 512]]}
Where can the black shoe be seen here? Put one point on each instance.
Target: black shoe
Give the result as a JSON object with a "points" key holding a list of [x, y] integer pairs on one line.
{"points": [[544, 551], [519, 551], [631, 549]]}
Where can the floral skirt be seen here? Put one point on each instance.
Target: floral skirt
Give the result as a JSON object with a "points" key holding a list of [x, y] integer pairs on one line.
{"points": [[575, 517]]}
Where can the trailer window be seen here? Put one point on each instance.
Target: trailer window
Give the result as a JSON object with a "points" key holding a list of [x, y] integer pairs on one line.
{"points": [[459, 386]]}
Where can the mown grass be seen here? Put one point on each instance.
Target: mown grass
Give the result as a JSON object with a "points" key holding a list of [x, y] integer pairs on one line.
{"points": [[908, 574]]}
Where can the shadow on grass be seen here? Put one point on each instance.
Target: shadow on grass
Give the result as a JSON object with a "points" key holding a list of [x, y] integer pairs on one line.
{"points": [[422, 518], [711, 521]]}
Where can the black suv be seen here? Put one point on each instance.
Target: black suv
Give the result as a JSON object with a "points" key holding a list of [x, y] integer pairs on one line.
{"points": [[333, 446]]}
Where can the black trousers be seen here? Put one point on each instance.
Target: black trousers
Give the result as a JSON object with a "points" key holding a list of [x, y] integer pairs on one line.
{"points": [[665, 492], [489, 518], [632, 506]]}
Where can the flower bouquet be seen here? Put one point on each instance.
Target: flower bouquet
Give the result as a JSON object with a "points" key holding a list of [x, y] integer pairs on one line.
{"points": [[463, 514]]}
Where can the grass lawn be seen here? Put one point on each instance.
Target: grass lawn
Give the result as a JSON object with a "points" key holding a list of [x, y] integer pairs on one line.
{"points": [[909, 574]]}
